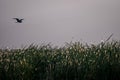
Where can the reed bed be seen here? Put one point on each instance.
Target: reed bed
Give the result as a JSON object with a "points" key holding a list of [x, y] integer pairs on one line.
{"points": [[74, 61]]}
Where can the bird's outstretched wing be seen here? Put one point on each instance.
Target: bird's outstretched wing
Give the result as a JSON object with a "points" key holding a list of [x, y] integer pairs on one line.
{"points": [[16, 18]]}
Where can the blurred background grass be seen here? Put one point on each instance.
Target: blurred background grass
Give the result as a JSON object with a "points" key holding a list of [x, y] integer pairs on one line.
{"points": [[74, 61]]}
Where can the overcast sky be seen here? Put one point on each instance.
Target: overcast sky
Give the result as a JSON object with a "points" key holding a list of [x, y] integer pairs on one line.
{"points": [[58, 21]]}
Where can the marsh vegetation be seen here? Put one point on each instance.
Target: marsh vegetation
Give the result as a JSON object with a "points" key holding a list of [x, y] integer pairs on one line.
{"points": [[74, 61]]}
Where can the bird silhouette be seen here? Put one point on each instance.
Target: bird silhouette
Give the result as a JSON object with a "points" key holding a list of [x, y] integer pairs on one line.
{"points": [[18, 20]]}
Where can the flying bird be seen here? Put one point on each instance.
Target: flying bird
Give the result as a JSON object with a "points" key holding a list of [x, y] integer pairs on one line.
{"points": [[18, 20]]}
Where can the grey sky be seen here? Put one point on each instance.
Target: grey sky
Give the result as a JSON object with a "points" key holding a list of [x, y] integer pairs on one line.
{"points": [[58, 21]]}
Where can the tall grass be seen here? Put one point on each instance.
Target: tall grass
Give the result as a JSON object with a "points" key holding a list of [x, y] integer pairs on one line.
{"points": [[74, 61]]}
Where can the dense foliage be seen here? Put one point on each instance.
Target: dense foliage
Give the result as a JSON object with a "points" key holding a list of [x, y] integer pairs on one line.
{"points": [[74, 61]]}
